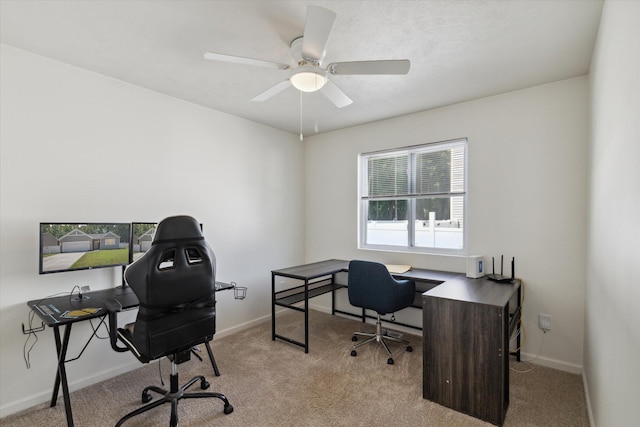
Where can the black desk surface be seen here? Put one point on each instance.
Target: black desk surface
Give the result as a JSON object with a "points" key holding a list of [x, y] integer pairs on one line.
{"points": [[441, 284], [330, 266], [313, 270], [70, 308], [60, 310]]}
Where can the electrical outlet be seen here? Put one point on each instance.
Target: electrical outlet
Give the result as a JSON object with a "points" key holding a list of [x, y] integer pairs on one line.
{"points": [[544, 322]]}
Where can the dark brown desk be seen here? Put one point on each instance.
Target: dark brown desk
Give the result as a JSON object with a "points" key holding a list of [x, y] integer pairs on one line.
{"points": [[319, 278], [55, 312], [466, 328]]}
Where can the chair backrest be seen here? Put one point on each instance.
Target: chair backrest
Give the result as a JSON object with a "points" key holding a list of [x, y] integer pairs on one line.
{"points": [[370, 285], [175, 285]]}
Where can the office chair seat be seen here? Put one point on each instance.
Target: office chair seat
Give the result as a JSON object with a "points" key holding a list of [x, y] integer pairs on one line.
{"points": [[371, 286]]}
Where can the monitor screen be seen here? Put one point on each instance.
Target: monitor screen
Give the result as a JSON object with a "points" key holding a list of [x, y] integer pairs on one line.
{"points": [[73, 246], [141, 238]]}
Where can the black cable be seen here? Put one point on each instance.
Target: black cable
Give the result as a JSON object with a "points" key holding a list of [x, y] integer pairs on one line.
{"points": [[26, 353], [94, 334], [71, 293], [95, 330]]}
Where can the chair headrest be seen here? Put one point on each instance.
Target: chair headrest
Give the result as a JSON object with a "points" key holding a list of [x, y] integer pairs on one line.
{"points": [[180, 227]]}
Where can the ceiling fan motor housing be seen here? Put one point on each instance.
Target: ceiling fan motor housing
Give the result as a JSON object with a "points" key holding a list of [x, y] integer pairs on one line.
{"points": [[309, 52], [296, 53]]}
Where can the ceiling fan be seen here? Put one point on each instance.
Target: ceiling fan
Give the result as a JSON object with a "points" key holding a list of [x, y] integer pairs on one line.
{"points": [[309, 51]]}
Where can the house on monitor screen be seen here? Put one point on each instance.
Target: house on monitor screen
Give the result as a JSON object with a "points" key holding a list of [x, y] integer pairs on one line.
{"points": [[79, 241], [146, 239], [50, 244]]}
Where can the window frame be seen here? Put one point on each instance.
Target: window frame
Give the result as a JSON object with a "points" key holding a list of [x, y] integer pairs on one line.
{"points": [[412, 197]]}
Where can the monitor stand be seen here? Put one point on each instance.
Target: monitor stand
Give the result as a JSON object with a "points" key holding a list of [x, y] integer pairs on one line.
{"points": [[124, 283]]}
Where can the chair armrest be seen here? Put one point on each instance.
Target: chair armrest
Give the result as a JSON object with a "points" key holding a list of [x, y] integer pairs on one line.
{"points": [[408, 288], [405, 282], [113, 307]]}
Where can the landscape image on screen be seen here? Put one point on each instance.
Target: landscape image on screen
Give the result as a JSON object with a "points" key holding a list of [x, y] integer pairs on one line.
{"points": [[79, 246], [142, 236]]}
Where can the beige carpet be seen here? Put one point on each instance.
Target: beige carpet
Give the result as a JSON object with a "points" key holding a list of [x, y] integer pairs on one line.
{"points": [[273, 383]]}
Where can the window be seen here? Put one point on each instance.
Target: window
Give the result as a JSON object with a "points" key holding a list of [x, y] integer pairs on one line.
{"points": [[414, 198]]}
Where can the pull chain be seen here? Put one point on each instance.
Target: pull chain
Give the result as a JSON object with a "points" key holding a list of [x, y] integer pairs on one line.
{"points": [[315, 107], [301, 137]]}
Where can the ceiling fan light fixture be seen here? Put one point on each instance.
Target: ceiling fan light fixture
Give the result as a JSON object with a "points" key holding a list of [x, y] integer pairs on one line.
{"points": [[308, 79]]}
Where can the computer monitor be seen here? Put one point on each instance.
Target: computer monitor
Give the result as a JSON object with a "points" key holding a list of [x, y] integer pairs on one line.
{"points": [[141, 237], [71, 246]]}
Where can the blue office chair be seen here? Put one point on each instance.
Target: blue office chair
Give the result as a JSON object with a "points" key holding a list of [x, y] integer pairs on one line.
{"points": [[175, 285], [372, 287]]}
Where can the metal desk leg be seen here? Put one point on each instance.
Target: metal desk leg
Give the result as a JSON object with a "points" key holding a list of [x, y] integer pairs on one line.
{"points": [[212, 359], [306, 316], [273, 307], [61, 375], [519, 324], [333, 296]]}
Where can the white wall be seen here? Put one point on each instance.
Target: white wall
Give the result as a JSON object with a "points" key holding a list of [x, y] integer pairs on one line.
{"points": [[526, 198], [528, 183], [612, 347], [78, 146]]}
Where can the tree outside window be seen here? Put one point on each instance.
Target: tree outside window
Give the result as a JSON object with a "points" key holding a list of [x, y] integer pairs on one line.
{"points": [[413, 198]]}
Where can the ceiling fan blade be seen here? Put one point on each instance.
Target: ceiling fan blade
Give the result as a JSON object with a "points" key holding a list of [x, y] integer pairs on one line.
{"points": [[317, 30], [273, 91], [245, 61], [335, 94], [399, 66]]}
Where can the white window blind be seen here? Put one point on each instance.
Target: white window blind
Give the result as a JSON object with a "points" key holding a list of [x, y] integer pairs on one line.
{"points": [[414, 197], [388, 175]]}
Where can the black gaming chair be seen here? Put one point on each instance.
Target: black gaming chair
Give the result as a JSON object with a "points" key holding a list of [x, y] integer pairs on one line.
{"points": [[371, 286], [175, 285]]}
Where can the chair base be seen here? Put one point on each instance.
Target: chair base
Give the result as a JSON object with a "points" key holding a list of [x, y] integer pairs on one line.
{"points": [[174, 395], [379, 337]]}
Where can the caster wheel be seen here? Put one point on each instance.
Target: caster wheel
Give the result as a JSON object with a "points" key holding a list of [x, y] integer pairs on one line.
{"points": [[354, 338], [146, 397], [204, 384], [390, 361], [353, 353], [228, 409], [409, 348]]}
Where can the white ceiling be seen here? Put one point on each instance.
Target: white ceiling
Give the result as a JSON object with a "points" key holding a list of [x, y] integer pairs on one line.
{"points": [[459, 50]]}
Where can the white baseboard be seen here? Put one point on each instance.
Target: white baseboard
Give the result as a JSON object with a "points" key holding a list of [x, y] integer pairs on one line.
{"points": [[585, 383], [321, 308], [551, 363], [45, 395], [246, 325], [542, 361], [394, 327]]}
